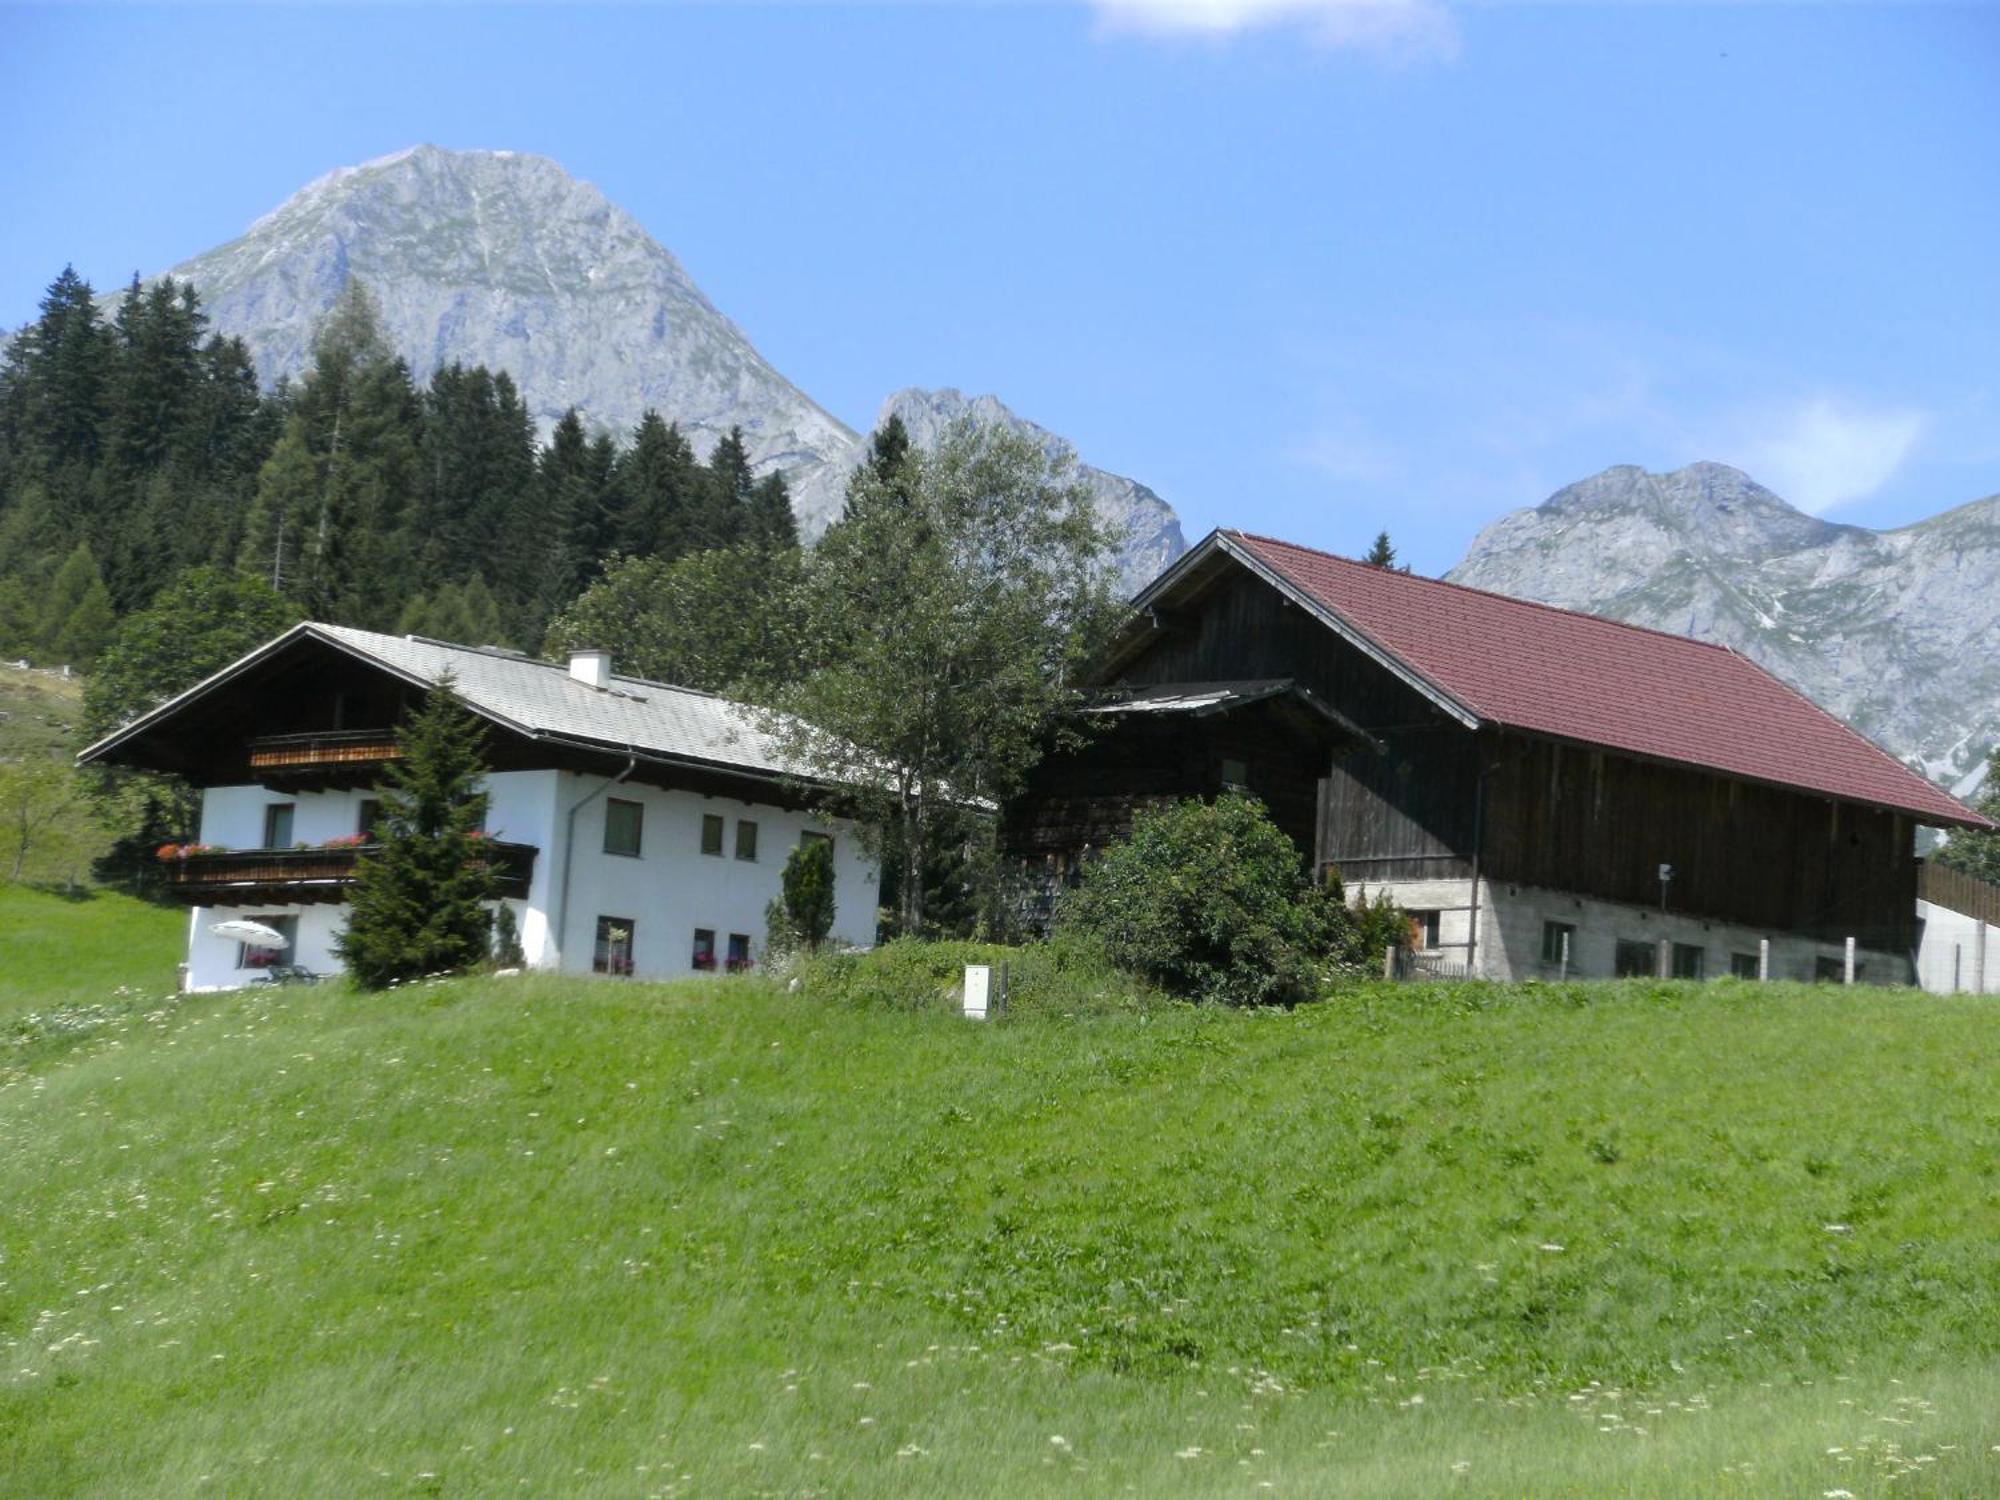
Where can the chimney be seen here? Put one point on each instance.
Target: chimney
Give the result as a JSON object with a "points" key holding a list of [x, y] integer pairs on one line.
{"points": [[591, 668]]}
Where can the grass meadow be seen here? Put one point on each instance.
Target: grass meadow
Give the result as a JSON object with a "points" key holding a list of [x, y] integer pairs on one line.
{"points": [[527, 1236]]}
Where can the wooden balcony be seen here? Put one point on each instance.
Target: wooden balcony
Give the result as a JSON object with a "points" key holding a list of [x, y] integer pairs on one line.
{"points": [[323, 759], [293, 877]]}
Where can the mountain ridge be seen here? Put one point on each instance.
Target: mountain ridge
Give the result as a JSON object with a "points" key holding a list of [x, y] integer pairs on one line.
{"points": [[505, 259]]}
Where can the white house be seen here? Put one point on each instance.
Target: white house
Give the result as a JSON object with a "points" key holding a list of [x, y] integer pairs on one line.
{"points": [[641, 829]]}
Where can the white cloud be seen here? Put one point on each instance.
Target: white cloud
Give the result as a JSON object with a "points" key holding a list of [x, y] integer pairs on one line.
{"points": [[1399, 30], [1827, 453]]}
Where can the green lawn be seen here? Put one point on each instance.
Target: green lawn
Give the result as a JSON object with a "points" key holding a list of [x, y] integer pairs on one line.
{"points": [[608, 1238], [66, 958]]}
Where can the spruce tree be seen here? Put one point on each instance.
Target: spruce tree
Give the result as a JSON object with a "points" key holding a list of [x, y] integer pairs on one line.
{"points": [[1382, 554], [419, 902]]}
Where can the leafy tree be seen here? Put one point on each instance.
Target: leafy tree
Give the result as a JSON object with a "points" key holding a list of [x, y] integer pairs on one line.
{"points": [[803, 915], [951, 610], [419, 901], [1382, 554], [1210, 900], [723, 621], [196, 626], [1975, 852], [47, 828]]}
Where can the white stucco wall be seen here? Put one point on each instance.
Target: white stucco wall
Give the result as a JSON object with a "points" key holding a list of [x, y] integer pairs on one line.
{"points": [[1958, 954], [666, 892], [672, 888], [1510, 934]]}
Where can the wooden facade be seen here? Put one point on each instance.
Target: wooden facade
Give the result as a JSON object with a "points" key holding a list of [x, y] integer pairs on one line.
{"points": [[1426, 793]]}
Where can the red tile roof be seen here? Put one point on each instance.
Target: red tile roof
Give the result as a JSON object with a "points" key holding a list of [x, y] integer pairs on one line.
{"points": [[1582, 677]]}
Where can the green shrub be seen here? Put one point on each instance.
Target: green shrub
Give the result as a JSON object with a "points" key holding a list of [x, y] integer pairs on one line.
{"points": [[803, 914], [1211, 901]]}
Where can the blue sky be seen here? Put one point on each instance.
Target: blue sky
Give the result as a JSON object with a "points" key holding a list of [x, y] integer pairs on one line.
{"points": [[1302, 266]]}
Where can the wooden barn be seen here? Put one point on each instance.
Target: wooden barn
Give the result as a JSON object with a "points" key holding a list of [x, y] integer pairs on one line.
{"points": [[1546, 792]]}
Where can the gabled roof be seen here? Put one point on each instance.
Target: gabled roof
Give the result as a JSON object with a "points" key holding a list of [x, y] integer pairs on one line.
{"points": [[538, 699], [1489, 659]]}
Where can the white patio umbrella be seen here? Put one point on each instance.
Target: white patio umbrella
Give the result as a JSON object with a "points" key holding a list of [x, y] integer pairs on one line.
{"points": [[246, 931]]}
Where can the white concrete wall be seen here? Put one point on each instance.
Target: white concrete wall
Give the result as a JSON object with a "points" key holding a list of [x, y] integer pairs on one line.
{"points": [[1511, 920], [667, 891], [212, 959], [1950, 959], [672, 888]]}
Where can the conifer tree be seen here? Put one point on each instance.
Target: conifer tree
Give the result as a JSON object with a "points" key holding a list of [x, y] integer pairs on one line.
{"points": [[420, 898], [722, 521], [287, 495], [1382, 554], [770, 525], [77, 617]]}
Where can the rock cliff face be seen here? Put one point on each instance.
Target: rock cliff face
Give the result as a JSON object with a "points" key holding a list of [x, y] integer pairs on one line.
{"points": [[1898, 632], [502, 259], [1150, 530]]}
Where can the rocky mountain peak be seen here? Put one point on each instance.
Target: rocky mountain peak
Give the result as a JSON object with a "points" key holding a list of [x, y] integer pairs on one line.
{"points": [[504, 259]]}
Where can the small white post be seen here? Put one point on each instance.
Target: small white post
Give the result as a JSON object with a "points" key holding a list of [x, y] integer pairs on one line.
{"points": [[1663, 966], [1389, 962], [985, 991], [1763, 960], [1562, 971], [1979, 960], [1848, 971], [1957, 966]]}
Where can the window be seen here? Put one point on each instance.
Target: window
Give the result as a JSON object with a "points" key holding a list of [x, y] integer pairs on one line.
{"points": [[711, 833], [746, 839], [1690, 960], [1424, 929], [704, 949], [1235, 775], [739, 952], [369, 824], [1743, 965], [278, 825], [1559, 943], [1635, 960], [252, 956], [613, 954], [622, 824]]}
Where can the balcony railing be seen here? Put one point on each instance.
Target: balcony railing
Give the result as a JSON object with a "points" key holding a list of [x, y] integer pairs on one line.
{"points": [[323, 757], [284, 877]]}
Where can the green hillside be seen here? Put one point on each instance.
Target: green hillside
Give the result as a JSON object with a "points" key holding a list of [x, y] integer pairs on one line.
{"points": [[40, 713], [608, 1238]]}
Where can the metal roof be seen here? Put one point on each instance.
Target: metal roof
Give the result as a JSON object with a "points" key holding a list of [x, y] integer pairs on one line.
{"points": [[537, 698], [1488, 658]]}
